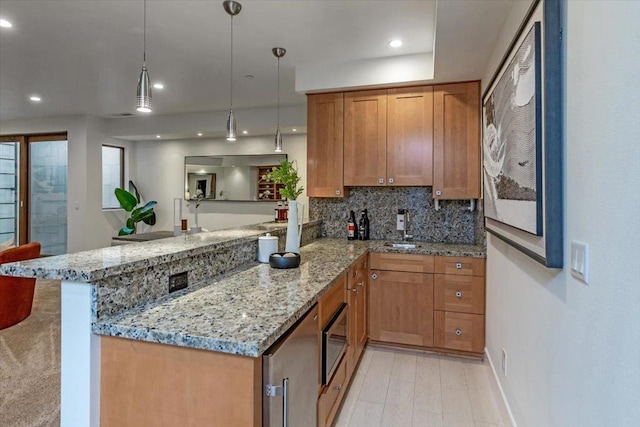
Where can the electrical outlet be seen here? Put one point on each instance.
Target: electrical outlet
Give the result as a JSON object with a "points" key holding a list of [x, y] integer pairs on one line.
{"points": [[178, 281], [504, 362], [400, 226]]}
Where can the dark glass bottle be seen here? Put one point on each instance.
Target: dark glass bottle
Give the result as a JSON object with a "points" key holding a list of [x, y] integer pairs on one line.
{"points": [[363, 226], [366, 225], [352, 228]]}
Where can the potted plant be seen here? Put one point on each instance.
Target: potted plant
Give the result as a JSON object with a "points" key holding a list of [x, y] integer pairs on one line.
{"points": [[287, 175], [130, 201], [197, 199]]}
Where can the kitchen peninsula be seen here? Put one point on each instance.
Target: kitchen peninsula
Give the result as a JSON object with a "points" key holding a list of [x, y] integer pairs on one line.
{"points": [[116, 306]]}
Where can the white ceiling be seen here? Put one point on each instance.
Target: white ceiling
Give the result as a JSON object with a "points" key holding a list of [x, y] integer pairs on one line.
{"points": [[84, 56]]}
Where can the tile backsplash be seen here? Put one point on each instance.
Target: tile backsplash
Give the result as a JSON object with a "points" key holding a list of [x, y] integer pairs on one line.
{"points": [[453, 223]]}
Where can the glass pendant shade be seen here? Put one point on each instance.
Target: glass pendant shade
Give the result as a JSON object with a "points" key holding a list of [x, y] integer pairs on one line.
{"points": [[278, 141], [143, 103], [231, 127]]}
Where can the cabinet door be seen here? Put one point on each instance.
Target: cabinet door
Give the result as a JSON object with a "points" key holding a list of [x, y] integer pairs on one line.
{"points": [[353, 302], [365, 138], [325, 145], [401, 308], [456, 142], [410, 136], [361, 315]]}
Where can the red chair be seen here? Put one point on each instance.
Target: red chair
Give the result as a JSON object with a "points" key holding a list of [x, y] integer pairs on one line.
{"points": [[16, 293]]}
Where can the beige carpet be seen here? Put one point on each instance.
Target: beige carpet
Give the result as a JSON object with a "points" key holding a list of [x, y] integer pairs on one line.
{"points": [[30, 364]]}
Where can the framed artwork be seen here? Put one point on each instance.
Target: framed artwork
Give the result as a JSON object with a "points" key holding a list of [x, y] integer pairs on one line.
{"points": [[522, 139]]}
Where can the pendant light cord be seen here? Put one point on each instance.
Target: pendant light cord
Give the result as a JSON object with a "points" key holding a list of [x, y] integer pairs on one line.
{"points": [[278, 120], [144, 36], [231, 77]]}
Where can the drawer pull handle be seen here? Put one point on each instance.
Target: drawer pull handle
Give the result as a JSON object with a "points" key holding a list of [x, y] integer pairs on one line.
{"points": [[374, 276], [339, 387], [458, 294], [458, 332], [360, 283], [458, 265]]}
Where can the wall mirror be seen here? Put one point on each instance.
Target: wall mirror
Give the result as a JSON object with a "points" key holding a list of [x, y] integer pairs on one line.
{"points": [[233, 178]]}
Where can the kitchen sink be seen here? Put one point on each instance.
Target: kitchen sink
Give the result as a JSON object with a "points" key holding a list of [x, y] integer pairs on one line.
{"points": [[403, 245]]}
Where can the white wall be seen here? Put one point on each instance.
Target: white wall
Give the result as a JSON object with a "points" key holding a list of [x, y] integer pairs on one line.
{"points": [[88, 227], [574, 349], [160, 177]]}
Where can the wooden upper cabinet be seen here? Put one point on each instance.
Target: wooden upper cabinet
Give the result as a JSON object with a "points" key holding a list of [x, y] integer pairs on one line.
{"points": [[365, 138], [410, 136], [325, 145], [456, 141]]}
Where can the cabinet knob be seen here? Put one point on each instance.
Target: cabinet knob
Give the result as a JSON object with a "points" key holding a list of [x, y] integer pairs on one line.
{"points": [[458, 332], [354, 290], [380, 180], [374, 276], [438, 193], [338, 387], [337, 192], [458, 294], [390, 180], [360, 283], [458, 265]]}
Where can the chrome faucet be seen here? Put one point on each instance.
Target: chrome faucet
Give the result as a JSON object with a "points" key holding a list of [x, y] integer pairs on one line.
{"points": [[405, 235]]}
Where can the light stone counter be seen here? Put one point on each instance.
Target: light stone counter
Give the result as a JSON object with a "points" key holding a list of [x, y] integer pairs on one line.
{"points": [[246, 312], [99, 264]]}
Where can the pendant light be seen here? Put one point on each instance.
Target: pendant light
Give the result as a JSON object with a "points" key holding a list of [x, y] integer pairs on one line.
{"points": [[278, 52], [232, 8], [143, 103]]}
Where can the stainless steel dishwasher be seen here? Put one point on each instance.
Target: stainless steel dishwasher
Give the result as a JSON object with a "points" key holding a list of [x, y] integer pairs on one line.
{"points": [[290, 376]]}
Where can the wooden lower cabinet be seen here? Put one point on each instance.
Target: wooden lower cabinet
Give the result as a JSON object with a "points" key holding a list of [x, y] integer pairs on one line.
{"points": [[401, 307], [459, 331], [330, 399], [357, 290], [149, 384]]}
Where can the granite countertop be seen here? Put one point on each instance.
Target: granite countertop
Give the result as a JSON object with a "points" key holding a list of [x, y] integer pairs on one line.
{"points": [[246, 312], [98, 264]]}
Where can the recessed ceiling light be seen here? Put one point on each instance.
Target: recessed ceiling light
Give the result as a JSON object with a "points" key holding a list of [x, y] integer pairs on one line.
{"points": [[158, 86], [294, 129], [245, 132], [199, 133], [35, 98], [5, 24], [395, 43], [157, 136]]}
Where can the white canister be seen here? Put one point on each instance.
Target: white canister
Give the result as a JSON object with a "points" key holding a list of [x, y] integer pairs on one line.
{"points": [[267, 245]]}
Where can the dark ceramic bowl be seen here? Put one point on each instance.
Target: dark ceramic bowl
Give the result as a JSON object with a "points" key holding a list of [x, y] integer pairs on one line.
{"points": [[283, 261]]}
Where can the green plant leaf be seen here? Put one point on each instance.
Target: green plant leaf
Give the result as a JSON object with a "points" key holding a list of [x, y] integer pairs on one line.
{"points": [[150, 220], [125, 231], [127, 200], [134, 190], [131, 223]]}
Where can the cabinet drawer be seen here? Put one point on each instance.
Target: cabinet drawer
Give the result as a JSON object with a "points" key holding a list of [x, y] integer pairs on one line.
{"points": [[330, 301], [464, 266], [329, 400], [402, 262], [459, 331], [463, 294]]}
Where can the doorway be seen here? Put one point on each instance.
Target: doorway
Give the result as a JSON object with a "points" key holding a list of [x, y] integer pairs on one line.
{"points": [[33, 191]]}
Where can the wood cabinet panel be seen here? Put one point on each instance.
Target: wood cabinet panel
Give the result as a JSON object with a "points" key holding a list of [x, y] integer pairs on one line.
{"points": [[402, 262], [465, 266], [325, 145], [401, 308], [459, 331], [357, 294], [330, 399], [331, 300], [151, 384], [365, 138], [456, 141], [410, 136], [464, 294]]}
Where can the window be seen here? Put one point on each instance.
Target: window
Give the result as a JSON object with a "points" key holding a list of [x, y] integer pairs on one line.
{"points": [[112, 175]]}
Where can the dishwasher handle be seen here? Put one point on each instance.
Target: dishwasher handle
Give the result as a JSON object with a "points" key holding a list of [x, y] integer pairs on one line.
{"points": [[285, 402]]}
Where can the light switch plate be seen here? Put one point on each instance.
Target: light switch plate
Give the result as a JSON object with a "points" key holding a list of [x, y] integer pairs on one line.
{"points": [[580, 261]]}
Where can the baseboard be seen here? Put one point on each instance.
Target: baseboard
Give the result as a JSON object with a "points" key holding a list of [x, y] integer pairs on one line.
{"points": [[497, 380]]}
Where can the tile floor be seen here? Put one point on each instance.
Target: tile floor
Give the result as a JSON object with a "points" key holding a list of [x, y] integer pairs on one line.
{"points": [[403, 388]]}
